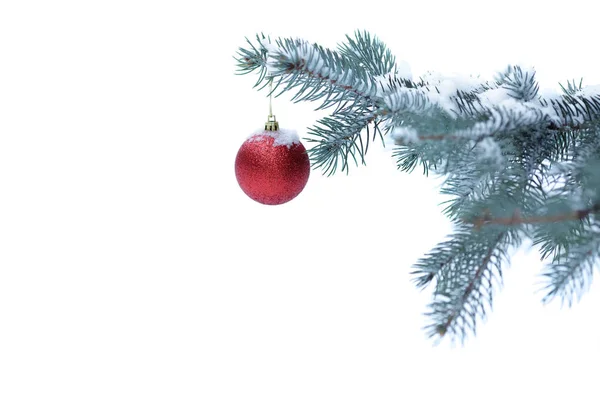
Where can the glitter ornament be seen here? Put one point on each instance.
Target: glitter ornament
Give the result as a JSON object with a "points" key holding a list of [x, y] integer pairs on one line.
{"points": [[272, 166]]}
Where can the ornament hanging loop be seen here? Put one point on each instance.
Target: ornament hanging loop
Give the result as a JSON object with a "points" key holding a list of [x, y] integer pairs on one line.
{"points": [[271, 124]]}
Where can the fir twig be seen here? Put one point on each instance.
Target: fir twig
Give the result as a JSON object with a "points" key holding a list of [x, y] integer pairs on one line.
{"points": [[443, 328]]}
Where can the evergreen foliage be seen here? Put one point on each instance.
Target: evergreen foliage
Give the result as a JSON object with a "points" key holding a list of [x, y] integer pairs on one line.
{"points": [[517, 163]]}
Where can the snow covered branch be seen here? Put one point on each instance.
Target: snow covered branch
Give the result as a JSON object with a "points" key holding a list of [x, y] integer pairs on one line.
{"points": [[517, 160]]}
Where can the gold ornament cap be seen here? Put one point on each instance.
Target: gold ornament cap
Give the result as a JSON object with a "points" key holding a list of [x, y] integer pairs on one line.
{"points": [[271, 124]]}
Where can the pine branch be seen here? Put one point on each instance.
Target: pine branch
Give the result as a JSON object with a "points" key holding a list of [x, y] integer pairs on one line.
{"points": [[516, 161], [338, 138], [571, 273], [465, 286], [370, 53], [443, 328], [445, 255], [313, 71], [499, 123]]}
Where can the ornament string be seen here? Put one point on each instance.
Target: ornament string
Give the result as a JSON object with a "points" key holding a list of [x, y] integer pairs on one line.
{"points": [[271, 124], [271, 97]]}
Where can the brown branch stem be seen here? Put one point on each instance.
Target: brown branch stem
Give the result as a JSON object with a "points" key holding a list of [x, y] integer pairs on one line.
{"points": [[518, 219]]}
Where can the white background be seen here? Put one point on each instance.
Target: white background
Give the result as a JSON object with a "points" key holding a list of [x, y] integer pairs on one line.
{"points": [[133, 267]]}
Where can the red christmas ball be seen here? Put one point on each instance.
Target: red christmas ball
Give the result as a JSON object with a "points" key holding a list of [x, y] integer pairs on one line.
{"points": [[272, 167]]}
